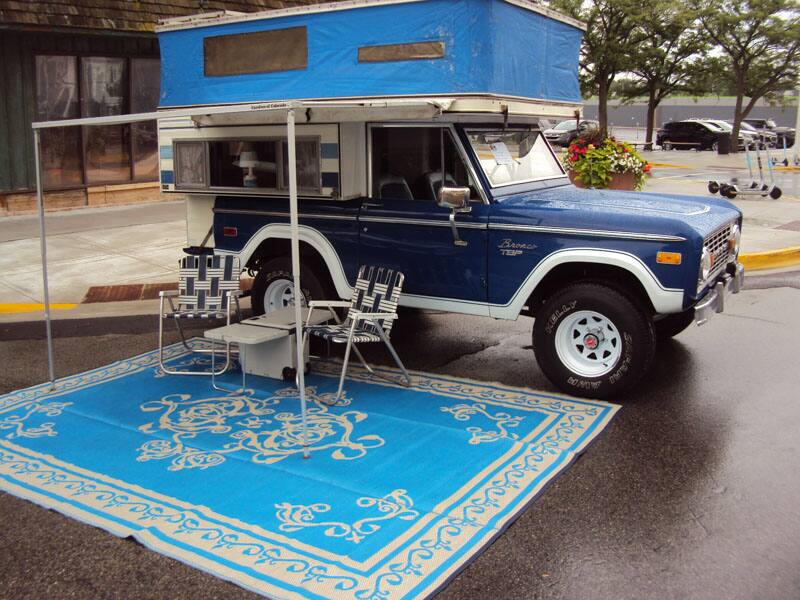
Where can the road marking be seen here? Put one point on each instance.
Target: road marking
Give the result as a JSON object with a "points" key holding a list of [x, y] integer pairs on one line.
{"points": [[23, 307]]}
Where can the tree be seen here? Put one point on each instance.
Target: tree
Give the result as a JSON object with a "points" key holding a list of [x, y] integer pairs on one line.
{"points": [[666, 59], [760, 42], [608, 44]]}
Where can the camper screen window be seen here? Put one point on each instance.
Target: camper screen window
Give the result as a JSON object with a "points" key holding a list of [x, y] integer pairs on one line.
{"points": [[258, 52], [262, 164]]}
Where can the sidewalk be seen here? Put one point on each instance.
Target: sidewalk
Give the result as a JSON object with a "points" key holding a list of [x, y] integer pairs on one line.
{"points": [[142, 245]]}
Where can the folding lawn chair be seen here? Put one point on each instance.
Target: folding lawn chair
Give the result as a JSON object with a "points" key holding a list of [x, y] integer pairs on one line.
{"points": [[372, 311], [206, 286]]}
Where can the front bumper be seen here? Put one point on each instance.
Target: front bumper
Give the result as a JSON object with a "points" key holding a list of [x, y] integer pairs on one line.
{"points": [[714, 300]]}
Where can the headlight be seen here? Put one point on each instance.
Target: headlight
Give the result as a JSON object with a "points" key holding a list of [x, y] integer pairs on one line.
{"points": [[734, 240], [705, 265]]}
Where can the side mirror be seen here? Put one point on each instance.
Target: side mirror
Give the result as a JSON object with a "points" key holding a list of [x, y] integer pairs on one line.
{"points": [[454, 198]]}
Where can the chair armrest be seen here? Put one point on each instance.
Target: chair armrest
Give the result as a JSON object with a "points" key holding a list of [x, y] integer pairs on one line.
{"points": [[329, 303], [361, 316], [169, 293]]}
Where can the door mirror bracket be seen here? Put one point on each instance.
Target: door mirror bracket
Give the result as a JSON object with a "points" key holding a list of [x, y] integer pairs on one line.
{"points": [[457, 200]]}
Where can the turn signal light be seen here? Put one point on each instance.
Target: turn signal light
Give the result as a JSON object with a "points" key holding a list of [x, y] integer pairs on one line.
{"points": [[668, 258]]}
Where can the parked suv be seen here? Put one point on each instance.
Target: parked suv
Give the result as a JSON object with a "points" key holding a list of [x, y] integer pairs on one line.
{"points": [[768, 125], [765, 136], [568, 131], [692, 134], [503, 233]]}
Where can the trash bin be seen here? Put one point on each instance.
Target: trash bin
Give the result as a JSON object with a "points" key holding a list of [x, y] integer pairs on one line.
{"points": [[724, 144]]}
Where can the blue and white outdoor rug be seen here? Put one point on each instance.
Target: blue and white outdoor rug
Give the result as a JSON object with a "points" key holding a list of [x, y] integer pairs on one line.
{"points": [[403, 488]]}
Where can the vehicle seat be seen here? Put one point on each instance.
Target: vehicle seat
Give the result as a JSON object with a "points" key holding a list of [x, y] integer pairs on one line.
{"points": [[394, 187], [433, 183]]}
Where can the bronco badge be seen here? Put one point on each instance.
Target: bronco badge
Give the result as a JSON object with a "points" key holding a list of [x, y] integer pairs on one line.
{"points": [[510, 248]]}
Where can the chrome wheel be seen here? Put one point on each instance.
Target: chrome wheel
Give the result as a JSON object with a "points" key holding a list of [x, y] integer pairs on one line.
{"points": [[280, 294], [588, 343]]}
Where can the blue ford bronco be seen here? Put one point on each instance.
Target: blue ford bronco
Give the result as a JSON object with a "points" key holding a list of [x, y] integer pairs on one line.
{"points": [[420, 147], [604, 274]]}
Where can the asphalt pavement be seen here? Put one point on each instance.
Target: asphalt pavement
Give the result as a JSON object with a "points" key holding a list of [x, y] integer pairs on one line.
{"points": [[691, 493]]}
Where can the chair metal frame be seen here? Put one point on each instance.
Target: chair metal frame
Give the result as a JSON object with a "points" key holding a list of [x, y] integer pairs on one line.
{"points": [[169, 295], [355, 317]]}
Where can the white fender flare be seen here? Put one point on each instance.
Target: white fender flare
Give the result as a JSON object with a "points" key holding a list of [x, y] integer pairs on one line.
{"points": [[665, 300], [306, 234]]}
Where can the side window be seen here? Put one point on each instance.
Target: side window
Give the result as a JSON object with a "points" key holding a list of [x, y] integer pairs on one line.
{"points": [[407, 163], [253, 164]]}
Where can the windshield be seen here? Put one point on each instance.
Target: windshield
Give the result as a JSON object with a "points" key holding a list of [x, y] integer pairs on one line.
{"points": [[566, 125], [711, 125], [746, 126], [509, 157]]}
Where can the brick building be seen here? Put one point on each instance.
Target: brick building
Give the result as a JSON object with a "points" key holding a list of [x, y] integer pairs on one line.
{"points": [[85, 58]]}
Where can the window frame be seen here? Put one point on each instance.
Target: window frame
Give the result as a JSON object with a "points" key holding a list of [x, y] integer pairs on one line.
{"points": [[460, 149], [512, 129], [246, 191]]}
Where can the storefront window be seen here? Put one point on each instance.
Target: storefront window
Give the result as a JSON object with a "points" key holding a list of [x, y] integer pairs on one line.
{"points": [[145, 90], [70, 87], [103, 89], [57, 98]]}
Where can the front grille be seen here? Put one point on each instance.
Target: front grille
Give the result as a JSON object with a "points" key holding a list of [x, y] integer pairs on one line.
{"points": [[717, 245]]}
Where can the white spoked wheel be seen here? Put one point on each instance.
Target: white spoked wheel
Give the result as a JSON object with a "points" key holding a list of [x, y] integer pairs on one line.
{"points": [[280, 294], [588, 343]]}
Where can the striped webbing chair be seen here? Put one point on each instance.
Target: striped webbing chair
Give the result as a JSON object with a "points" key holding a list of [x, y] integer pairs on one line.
{"points": [[371, 314], [208, 288]]}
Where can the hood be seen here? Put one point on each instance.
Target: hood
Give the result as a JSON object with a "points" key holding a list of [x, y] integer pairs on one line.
{"points": [[613, 210]]}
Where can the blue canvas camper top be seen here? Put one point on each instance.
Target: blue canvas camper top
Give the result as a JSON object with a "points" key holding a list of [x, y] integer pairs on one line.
{"points": [[461, 50]]}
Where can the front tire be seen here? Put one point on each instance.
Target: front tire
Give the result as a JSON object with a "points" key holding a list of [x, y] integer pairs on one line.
{"points": [[273, 290], [591, 340]]}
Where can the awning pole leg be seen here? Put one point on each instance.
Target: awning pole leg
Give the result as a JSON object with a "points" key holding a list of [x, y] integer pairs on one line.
{"points": [[37, 151], [298, 294]]}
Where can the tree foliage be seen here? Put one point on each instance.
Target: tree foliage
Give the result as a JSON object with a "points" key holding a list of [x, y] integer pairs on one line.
{"points": [[608, 43], [759, 41], [668, 56]]}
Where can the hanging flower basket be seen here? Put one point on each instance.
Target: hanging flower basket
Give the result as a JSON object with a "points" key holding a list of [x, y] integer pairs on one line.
{"points": [[618, 181], [605, 163]]}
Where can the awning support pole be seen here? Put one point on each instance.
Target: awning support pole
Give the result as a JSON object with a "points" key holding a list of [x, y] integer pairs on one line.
{"points": [[37, 151], [298, 294]]}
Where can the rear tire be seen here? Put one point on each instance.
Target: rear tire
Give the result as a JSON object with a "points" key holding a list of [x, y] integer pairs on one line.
{"points": [[276, 274], [592, 340], [666, 145]]}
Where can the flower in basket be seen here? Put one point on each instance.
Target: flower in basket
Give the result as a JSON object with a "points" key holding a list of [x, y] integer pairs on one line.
{"points": [[603, 162]]}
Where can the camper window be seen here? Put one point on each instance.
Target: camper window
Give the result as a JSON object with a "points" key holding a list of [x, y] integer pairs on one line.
{"points": [[190, 165], [257, 52], [257, 165]]}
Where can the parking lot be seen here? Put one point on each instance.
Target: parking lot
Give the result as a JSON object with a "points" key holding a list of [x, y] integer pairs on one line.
{"points": [[691, 493]]}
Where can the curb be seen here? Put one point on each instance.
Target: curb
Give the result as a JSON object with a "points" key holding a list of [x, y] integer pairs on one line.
{"points": [[25, 307], [773, 259]]}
